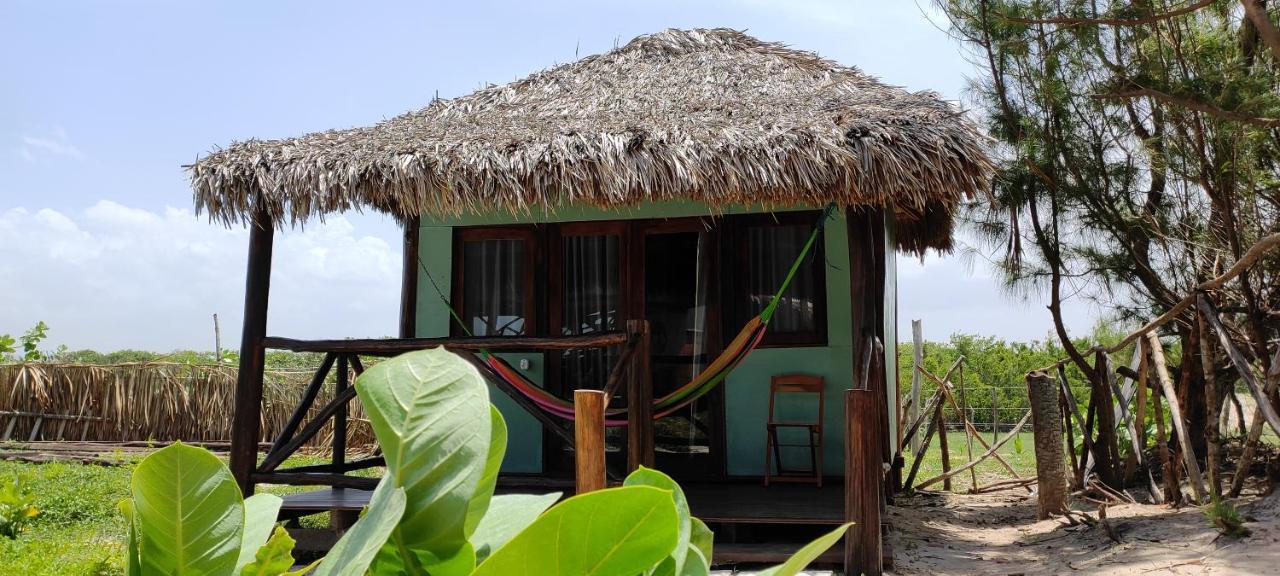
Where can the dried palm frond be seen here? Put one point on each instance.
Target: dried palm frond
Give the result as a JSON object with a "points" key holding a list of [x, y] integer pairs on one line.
{"points": [[709, 115]]}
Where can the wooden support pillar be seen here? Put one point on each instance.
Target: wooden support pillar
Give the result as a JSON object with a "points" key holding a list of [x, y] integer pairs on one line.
{"points": [[247, 426], [639, 399], [588, 431], [863, 485], [1051, 460], [866, 439], [409, 280]]}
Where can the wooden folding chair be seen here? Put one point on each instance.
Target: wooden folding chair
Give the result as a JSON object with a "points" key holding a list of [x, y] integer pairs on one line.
{"points": [[794, 384]]}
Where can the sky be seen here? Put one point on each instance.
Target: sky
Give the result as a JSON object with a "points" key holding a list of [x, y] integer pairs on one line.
{"points": [[102, 103]]}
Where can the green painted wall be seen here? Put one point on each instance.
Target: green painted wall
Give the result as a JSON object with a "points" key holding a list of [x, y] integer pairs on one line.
{"points": [[747, 388]]}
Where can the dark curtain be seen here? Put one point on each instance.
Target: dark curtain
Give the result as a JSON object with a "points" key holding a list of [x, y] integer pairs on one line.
{"points": [[591, 283], [770, 253], [493, 280]]}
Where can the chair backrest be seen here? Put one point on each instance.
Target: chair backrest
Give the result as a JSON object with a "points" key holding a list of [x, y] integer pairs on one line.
{"points": [[797, 383]]}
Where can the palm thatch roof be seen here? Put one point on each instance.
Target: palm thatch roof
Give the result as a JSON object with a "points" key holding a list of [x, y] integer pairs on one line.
{"points": [[714, 116]]}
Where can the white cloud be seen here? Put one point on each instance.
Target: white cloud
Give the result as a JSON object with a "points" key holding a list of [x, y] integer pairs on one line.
{"points": [[114, 276], [55, 143]]}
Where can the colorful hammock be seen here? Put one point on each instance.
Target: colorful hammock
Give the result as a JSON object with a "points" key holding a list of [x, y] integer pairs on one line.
{"points": [[747, 339]]}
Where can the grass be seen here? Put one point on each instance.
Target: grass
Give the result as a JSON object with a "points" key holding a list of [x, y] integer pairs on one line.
{"points": [[1023, 461], [79, 530]]}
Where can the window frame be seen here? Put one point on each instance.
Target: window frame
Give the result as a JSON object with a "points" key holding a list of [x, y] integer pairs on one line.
{"points": [[524, 233], [737, 226]]}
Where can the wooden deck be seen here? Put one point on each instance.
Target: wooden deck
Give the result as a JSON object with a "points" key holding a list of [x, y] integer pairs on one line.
{"points": [[724, 503], [746, 516]]}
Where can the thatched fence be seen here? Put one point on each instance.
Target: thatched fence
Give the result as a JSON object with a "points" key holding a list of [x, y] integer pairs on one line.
{"points": [[150, 401]]}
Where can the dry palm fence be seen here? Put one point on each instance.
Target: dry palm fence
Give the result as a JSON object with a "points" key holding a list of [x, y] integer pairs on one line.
{"points": [[1121, 399], [150, 401]]}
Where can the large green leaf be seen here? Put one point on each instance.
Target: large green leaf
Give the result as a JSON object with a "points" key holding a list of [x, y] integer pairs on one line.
{"points": [[132, 568], [430, 412], [260, 513], [809, 553], [508, 515], [190, 513], [479, 503], [650, 477], [619, 531], [355, 551], [695, 564]]}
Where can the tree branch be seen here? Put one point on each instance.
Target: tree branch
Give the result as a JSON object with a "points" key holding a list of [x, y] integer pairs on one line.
{"points": [[1067, 21], [1195, 105], [1257, 14]]}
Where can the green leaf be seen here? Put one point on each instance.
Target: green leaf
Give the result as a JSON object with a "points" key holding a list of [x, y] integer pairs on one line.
{"points": [[132, 568], [620, 531], [479, 503], [260, 513], [190, 512], [695, 564], [701, 538], [650, 477], [430, 412], [355, 551], [508, 515], [809, 553], [273, 558]]}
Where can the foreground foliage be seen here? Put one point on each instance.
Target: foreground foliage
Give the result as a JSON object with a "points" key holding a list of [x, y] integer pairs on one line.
{"points": [[434, 512]]}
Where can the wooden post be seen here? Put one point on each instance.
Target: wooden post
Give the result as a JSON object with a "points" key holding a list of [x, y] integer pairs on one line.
{"points": [[1106, 449], [1175, 414], [1051, 461], [409, 280], [995, 414], [917, 355], [1212, 405], [339, 456], [941, 416], [862, 485], [1255, 430], [963, 409], [639, 400], [866, 433], [588, 430], [247, 427]]}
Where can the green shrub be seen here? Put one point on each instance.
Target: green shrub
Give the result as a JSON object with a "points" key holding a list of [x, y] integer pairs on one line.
{"points": [[17, 508]]}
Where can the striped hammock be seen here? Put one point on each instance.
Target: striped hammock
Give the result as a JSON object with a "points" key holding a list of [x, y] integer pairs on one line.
{"points": [[747, 339]]}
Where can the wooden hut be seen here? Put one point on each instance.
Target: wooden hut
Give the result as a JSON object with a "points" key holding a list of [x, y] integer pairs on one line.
{"points": [[658, 192]]}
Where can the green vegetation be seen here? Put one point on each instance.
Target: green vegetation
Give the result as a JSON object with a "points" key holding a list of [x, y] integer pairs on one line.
{"points": [[16, 508], [434, 512]]}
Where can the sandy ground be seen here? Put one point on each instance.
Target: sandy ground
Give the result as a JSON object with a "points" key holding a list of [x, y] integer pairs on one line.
{"points": [[939, 533]]}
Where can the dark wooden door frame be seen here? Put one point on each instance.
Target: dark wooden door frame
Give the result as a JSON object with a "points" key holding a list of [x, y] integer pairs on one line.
{"points": [[639, 230]]}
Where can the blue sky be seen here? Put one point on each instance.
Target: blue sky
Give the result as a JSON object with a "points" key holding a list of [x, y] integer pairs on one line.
{"points": [[103, 102]]}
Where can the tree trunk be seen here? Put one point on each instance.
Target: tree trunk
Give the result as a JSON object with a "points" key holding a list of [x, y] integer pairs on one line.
{"points": [[1051, 459], [1190, 389]]}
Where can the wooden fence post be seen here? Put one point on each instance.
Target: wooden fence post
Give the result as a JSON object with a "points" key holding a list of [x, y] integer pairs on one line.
{"points": [[1051, 460], [862, 484], [1175, 414], [917, 358], [588, 429], [1106, 448], [943, 449], [639, 400]]}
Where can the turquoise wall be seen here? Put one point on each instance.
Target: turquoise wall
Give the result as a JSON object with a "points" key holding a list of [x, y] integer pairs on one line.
{"points": [[746, 389]]}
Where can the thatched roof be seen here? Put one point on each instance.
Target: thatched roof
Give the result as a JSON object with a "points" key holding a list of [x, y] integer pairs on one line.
{"points": [[709, 115]]}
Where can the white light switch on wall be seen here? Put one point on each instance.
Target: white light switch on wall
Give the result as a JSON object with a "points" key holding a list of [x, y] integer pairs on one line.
{"points": [[524, 363]]}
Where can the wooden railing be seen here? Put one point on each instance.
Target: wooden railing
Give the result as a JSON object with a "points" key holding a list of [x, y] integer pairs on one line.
{"points": [[342, 358]]}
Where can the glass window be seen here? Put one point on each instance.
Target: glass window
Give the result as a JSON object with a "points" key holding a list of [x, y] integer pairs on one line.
{"points": [[495, 290], [770, 248], [590, 283]]}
